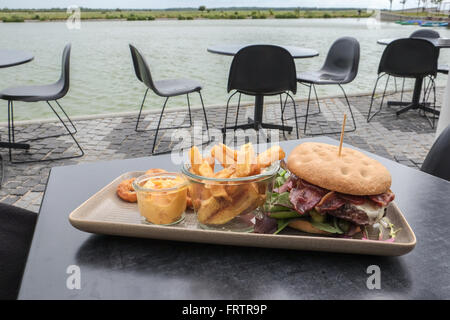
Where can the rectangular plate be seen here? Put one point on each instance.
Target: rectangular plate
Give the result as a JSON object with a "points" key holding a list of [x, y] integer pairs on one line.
{"points": [[105, 213]]}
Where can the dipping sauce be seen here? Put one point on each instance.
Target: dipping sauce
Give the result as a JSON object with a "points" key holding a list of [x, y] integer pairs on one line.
{"points": [[162, 197]]}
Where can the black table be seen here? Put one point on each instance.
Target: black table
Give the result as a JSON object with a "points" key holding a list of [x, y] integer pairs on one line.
{"points": [[257, 121], [415, 103], [10, 58], [438, 42], [129, 268]]}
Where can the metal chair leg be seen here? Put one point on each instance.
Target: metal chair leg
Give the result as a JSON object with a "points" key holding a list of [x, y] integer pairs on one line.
{"points": [[307, 110], [206, 118], [317, 99], [373, 98], [159, 123], [189, 108], [431, 86], [403, 87], [159, 128], [140, 110], [12, 122], [351, 114], [50, 159], [45, 137], [224, 129], [68, 118], [350, 109], [237, 112], [295, 114], [165, 128], [282, 114], [9, 129]]}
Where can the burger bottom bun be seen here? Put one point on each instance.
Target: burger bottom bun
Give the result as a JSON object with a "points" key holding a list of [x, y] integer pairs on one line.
{"points": [[305, 226]]}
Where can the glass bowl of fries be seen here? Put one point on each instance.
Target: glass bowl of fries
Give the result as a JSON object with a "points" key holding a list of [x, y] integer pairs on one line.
{"points": [[228, 199]]}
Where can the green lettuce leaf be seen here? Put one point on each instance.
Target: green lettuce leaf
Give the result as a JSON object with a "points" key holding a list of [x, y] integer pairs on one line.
{"points": [[327, 226], [282, 223]]}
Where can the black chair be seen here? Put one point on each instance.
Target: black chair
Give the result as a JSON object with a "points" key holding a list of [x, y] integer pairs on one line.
{"points": [[261, 70], [16, 231], [47, 93], [409, 58], [425, 34], [340, 67], [166, 89], [437, 161]]}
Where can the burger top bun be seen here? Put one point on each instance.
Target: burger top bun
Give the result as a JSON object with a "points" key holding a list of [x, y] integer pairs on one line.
{"points": [[352, 173]]}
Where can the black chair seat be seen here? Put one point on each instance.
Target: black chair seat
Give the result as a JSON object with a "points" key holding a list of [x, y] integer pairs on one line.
{"points": [[32, 93], [443, 68], [319, 77], [16, 231], [175, 87]]}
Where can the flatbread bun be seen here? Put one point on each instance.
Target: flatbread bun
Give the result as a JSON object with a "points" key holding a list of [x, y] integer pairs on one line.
{"points": [[352, 173], [305, 226]]}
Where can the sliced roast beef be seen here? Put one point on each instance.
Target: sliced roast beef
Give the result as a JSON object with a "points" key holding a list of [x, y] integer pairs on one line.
{"points": [[303, 184], [358, 200], [331, 201], [304, 199], [383, 199]]}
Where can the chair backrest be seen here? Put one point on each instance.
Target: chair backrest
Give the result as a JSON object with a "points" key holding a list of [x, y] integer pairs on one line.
{"points": [[343, 59], [437, 161], [262, 69], [410, 58], [425, 33], [141, 68], [64, 80]]}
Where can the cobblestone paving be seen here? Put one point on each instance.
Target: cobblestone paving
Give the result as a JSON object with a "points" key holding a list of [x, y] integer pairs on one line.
{"points": [[405, 139]]}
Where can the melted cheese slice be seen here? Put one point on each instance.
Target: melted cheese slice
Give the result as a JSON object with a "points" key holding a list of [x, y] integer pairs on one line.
{"points": [[374, 212]]}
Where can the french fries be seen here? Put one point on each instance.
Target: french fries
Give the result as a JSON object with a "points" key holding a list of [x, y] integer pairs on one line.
{"points": [[219, 202], [245, 160], [196, 159], [224, 155], [205, 169], [266, 158]]}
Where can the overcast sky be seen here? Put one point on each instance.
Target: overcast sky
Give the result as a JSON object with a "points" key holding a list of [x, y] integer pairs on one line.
{"points": [[161, 4]]}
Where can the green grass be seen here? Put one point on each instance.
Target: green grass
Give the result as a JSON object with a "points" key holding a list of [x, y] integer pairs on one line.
{"points": [[139, 15]]}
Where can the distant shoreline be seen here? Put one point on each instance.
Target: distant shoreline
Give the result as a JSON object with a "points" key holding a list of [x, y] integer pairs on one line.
{"points": [[203, 14]]}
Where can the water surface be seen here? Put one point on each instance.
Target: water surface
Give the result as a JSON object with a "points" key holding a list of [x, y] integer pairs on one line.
{"points": [[102, 76]]}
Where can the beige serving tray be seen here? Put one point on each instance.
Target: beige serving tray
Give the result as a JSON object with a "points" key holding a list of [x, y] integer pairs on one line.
{"points": [[105, 213]]}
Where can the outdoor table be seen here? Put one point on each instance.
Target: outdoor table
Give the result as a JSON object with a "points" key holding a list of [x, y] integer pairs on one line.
{"points": [[10, 58], [415, 104], [231, 50], [113, 267], [436, 41]]}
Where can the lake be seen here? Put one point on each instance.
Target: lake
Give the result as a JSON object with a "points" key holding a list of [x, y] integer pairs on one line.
{"points": [[103, 79]]}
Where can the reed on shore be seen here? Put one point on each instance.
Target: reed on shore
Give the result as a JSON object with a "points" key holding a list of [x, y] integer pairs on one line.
{"points": [[13, 15]]}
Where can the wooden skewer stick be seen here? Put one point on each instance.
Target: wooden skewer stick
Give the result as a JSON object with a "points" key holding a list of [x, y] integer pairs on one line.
{"points": [[342, 134]]}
